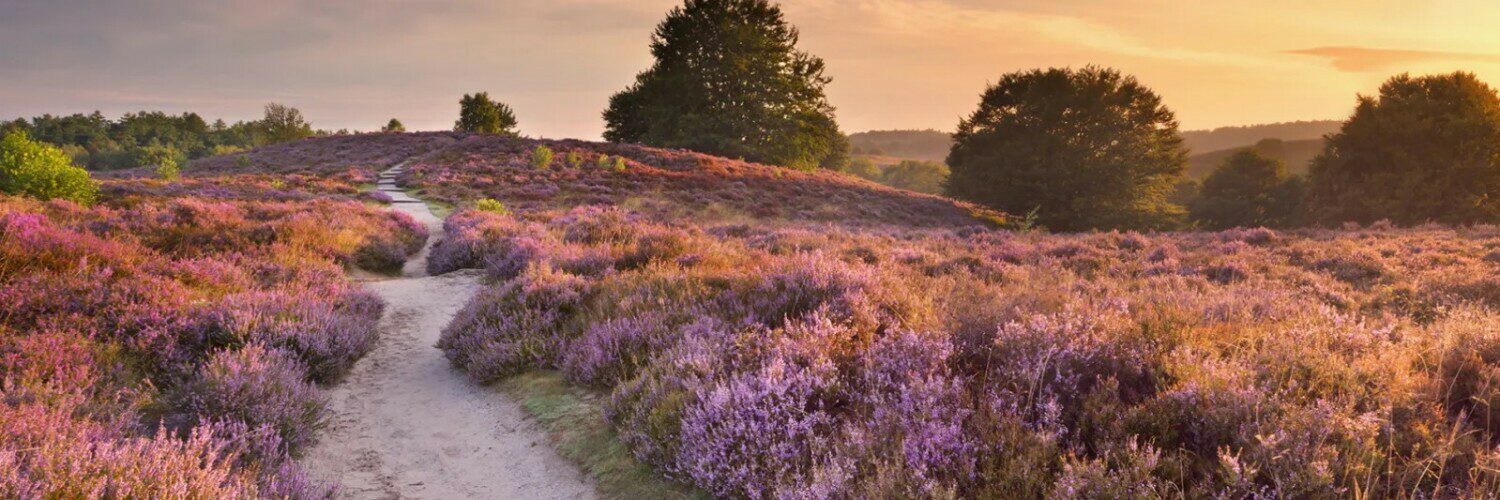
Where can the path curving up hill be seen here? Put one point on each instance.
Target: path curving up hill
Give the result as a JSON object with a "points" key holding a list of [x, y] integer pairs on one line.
{"points": [[408, 425]]}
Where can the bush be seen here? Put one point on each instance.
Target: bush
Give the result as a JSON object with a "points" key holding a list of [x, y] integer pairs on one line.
{"points": [[258, 386], [491, 205], [541, 158], [162, 160], [35, 169]]}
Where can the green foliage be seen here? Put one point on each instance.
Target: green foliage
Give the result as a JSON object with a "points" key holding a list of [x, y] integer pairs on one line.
{"points": [[393, 126], [1087, 149], [491, 205], [575, 420], [865, 168], [931, 145], [98, 143], [226, 149], [541, 157], [163, 160], [604, 163], [574, 160], [478, 114], [1248, 190], [915, 175], [40, 170], [729, 80], [1426, 149], [282, 124], [618, 165]]}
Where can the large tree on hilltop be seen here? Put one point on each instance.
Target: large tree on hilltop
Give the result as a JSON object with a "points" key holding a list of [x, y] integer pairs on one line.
{"points": [[729, 80], [1083, 149], [283, 123], [477, 113], [1426, 149]]}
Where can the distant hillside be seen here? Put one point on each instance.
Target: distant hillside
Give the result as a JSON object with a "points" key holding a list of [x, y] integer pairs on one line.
{"points": [[1297, 155], [458, 168], [930, 145], [1206, 141]]}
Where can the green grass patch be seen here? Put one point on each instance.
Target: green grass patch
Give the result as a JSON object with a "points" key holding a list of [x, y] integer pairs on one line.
{"points": [[438, 208], [575, 423]]}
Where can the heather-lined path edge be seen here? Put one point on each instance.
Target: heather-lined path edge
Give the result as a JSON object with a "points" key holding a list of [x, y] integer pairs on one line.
{"points": [[405, 424]]}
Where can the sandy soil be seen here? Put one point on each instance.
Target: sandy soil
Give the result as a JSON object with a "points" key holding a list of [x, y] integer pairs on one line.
{"points": [[408, 425]]}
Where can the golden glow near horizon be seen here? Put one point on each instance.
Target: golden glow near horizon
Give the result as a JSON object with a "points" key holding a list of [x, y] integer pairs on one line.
{"points": [[895, 63]]}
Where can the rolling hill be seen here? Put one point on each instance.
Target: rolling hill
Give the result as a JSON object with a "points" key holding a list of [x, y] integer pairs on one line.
{"points": [[1206, 141], [458, 168], [1297, 155], [891, 146]]}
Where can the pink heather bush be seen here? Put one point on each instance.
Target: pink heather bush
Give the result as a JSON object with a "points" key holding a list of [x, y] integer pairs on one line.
{"points": [[805, 360], [258, 387], [165, 342]]}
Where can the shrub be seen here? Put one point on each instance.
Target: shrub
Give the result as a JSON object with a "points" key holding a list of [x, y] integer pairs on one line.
{"points": [[39, 170], [492, 206], [162, 160], [574, 160], [541, 158], [257, 386]]}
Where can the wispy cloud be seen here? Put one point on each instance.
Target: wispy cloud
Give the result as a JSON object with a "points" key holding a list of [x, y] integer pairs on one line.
{"points": [[1363, 59]]}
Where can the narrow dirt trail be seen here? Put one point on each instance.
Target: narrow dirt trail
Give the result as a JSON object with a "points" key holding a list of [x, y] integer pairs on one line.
{"points": [[407, 425]]}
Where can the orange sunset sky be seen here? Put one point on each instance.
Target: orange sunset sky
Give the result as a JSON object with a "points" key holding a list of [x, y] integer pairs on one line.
{"points": [[895, 63]]}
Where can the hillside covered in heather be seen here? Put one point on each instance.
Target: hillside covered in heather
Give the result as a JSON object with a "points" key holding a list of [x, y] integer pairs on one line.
{"points": [[458, 168], [752, 331]]}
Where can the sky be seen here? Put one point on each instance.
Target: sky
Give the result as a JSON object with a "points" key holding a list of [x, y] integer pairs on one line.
{"points": [[894, 63]]}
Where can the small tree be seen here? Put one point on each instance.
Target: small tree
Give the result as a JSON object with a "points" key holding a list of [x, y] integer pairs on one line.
{"points": [[1426, 149], [574, 160], [283, 123], [1085, 149], [1248, 190], [393, 126], [729, 80], [478, 114], [162, 160], [541, 157], [39, 170]]}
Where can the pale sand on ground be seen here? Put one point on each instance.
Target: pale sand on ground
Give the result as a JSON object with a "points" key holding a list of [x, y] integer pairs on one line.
{"points": [[406, 424]]}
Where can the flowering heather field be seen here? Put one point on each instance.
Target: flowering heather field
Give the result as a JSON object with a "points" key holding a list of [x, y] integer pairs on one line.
{"points": [[167, 342], [457, 168], [759, 361]]}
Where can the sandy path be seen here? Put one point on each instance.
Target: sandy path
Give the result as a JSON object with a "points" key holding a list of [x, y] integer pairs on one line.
{"points": [[407, 425]]}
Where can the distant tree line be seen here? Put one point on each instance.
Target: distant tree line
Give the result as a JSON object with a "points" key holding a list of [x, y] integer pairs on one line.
{"points": [[1092, 149], [911, 175], [154, 138]]}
